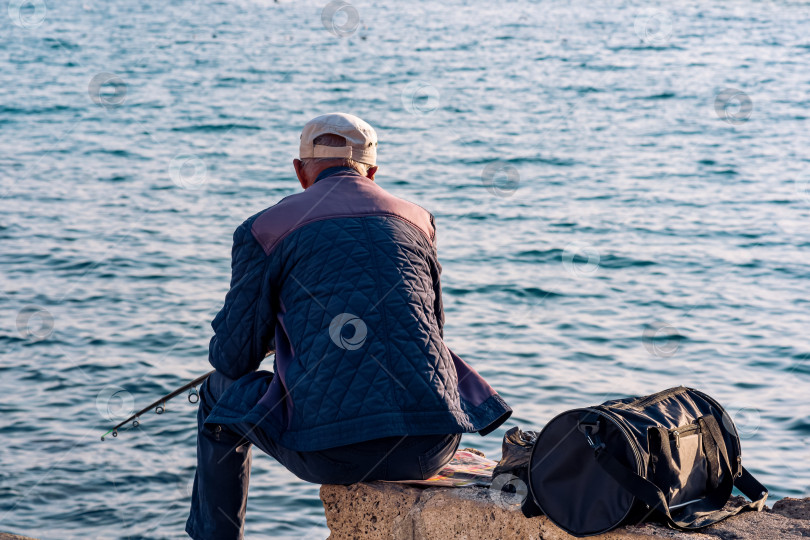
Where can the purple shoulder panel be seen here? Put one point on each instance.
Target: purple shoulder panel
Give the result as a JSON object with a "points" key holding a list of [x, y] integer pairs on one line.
{"points": [[337, 196]]}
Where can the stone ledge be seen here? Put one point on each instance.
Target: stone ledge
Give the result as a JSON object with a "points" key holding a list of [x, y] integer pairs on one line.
{"points": [[384, 511]]}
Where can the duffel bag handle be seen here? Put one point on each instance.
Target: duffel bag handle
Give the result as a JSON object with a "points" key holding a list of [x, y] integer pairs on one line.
{"points": [[704, 512]]}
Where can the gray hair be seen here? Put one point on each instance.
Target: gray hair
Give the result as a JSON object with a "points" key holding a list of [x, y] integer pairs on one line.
{"points": [[330, 139]]}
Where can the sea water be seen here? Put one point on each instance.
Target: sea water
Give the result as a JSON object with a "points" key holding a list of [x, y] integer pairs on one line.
{"points": [[621, 195]]}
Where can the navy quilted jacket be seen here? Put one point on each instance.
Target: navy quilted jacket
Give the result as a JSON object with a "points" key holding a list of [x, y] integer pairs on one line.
{"points": [[342, 281]]}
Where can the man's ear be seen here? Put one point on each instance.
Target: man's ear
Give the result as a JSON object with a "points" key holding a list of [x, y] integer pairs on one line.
{"points": [[299, 172], [371, 172]]}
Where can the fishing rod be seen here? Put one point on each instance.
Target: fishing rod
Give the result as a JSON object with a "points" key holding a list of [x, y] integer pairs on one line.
{"points": [[160, 405]]}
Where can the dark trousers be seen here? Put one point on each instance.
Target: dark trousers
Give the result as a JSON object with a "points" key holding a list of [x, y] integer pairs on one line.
{"points": [[219, 499]]}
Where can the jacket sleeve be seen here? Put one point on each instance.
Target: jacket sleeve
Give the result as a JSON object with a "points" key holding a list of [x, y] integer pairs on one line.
{"points": [[243, 327], [436, 273]]}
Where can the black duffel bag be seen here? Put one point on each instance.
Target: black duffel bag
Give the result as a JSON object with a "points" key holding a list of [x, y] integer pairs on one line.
{"points": [[674, 456]]}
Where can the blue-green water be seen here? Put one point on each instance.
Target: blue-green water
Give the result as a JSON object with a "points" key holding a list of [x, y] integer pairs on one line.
{"points": [[612, 219]]}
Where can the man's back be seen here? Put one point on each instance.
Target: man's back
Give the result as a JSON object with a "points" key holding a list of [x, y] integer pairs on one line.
{"points": [[351, 289], [342, 282]]}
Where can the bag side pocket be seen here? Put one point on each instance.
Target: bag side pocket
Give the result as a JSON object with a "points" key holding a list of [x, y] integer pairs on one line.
{"points": [[678, 463]]}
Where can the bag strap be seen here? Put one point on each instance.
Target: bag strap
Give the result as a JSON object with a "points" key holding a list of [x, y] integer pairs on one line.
{"points": [[745, 481], [704, 512]]}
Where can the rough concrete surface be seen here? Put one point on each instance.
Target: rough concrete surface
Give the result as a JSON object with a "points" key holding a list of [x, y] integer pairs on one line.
{"points": [[384, 511]]}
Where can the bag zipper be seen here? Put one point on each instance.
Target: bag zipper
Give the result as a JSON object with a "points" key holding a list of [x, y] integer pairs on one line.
{"points": [[655, 398], [682, 431], [606, 413], [617, 420]]}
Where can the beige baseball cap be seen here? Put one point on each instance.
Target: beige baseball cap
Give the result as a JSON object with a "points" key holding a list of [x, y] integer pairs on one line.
{"points": [[361, 138]]}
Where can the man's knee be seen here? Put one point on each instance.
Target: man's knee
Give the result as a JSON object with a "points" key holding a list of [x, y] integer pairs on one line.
{"points": [[214, 386], [211, 391]]}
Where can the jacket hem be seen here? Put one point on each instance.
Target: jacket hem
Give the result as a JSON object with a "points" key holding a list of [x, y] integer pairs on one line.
{"points": [[490, 415]]}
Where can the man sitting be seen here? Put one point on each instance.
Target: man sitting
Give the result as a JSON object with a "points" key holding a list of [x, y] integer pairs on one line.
{"points": [[342, 282]]}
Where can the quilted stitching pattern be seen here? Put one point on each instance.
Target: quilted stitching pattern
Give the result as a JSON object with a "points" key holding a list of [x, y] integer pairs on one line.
{"points": [[243, 328], [379, 269], [401, 380]]}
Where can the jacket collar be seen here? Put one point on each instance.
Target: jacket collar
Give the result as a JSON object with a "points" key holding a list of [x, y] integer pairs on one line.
{"points": [[333, 170]]}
